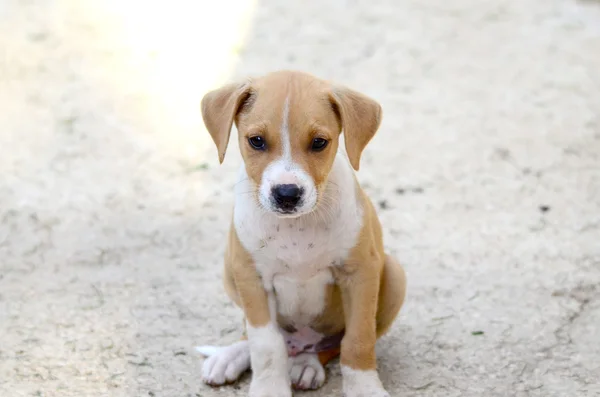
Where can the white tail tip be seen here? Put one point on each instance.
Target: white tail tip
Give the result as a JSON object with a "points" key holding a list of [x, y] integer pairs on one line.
{"points": [[207, 351]]}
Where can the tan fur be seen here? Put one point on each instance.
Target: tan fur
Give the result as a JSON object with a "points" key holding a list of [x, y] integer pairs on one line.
{"points": [[370, 286], [360, 116], [243, 284], [219, 108], [373, 286]]}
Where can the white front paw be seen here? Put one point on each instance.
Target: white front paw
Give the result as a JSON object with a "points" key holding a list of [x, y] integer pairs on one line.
{"points": [[269, 362], [359, 383], [306, 371], [270, 387], [224, 364]]}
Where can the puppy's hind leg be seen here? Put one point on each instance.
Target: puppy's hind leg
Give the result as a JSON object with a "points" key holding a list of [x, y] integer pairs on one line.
{"points": [[306, 371], [391, 294], [224, 364]]}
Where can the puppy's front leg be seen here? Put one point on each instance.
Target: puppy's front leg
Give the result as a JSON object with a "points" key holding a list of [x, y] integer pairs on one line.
{"points": [[360, 290], [268, 354]]}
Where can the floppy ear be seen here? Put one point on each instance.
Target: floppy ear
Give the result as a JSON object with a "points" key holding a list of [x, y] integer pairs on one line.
{"points": [[360, 117], [219, 108]]}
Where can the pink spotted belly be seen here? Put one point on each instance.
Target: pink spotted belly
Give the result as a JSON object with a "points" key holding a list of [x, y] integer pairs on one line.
{"points": [[307, 340]]}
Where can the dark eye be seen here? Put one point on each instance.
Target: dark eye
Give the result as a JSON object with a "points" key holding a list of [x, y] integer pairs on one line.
{"points": [[257, 142], [319, 144]]}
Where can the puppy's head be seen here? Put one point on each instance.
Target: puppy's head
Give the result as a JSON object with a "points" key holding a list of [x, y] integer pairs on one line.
{"points": [[289, 124]]}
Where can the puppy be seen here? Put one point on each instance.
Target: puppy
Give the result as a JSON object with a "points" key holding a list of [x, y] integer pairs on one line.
{"points": [[305, 259]]}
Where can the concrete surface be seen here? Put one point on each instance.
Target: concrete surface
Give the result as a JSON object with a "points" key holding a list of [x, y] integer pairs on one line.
{"points": [[486, 171]]}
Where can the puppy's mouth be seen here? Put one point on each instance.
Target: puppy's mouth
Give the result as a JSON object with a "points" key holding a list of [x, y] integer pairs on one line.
{"points": [[286, 210], [296, 211], [287, 213]]}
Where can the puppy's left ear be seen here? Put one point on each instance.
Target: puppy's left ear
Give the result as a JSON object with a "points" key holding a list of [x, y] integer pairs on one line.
{"points": [[219, 108], [360, 117]]}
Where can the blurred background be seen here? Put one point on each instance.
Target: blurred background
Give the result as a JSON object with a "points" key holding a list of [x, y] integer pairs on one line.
{"points": [[114, 210]]}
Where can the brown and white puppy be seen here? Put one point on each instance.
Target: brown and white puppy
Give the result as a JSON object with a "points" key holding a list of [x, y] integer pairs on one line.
{"points": [[305, 258]]}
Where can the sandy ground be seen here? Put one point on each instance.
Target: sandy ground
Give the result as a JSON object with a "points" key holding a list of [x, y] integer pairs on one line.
{"points": [[486, 172]]}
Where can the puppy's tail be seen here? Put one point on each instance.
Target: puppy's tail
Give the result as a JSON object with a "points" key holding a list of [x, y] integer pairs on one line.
{"points": [[208, 351]]}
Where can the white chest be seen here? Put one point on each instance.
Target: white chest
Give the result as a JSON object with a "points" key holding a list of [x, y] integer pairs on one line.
{"points": [[295, 255]]}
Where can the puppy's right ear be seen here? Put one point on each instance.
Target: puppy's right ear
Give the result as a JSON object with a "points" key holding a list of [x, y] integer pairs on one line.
{"points": [[219, 108]]}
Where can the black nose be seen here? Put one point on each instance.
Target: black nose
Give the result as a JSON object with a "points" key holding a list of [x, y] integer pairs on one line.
{"points": [[287, 196]]}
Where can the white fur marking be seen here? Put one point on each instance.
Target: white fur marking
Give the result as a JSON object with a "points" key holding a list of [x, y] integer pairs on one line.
{"points": [[295, 255], [306, 371], [224, 364], [285, 171], [285, 131], [357, 383], [304, 299], [208, 351], [268, 356]]}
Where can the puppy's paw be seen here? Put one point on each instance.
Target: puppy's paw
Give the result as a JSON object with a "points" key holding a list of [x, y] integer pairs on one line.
{"points": [[306, 371], [359, 383], [224, 364], [273, 386]]}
